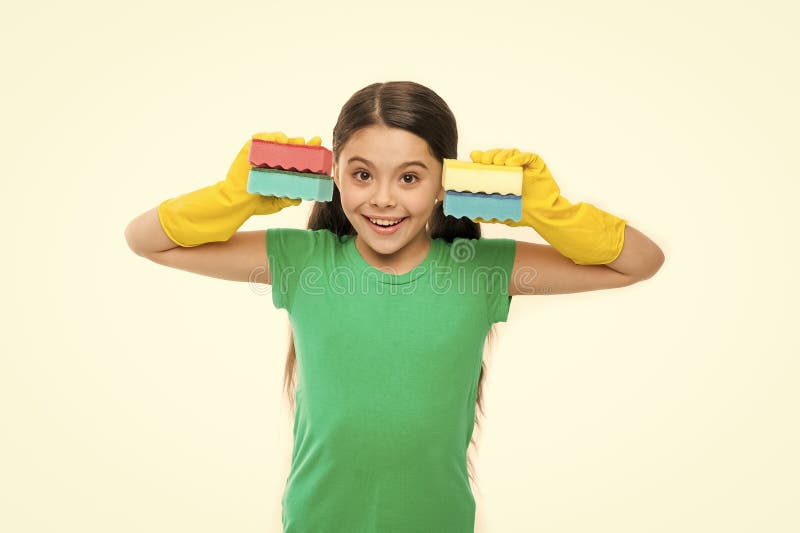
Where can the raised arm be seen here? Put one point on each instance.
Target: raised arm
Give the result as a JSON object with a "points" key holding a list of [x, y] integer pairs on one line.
{"points": [[243, 257], [197, 231], [540, 269]]}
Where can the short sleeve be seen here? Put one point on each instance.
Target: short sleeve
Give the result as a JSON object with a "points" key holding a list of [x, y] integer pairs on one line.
{"points": [[291, 252], [495, 259]]}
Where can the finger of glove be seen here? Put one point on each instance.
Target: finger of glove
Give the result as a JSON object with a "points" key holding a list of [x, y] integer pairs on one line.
{"points": [[521, 159], [286, 202], [313, 141], [274, 136], [272, 204], [241, 163], [240, 167], [476, 156], [502, 157], [487, 158], [495, 156], [484, 157], [279, 136]]}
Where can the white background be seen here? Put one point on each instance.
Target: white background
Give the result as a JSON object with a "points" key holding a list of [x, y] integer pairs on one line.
{"points": [[135, 398]]}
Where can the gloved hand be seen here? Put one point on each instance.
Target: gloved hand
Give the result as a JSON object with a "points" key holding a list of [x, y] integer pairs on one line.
{"points": [[582, 232], [214, 213]]}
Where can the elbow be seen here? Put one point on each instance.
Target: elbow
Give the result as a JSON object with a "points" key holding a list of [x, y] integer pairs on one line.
{"points": [[654, 264], [659, 261], [647, 266], [131, 241], [129, 238]]}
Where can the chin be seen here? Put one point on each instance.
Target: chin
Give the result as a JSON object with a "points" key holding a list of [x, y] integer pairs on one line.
{"points": [[383, 247]]}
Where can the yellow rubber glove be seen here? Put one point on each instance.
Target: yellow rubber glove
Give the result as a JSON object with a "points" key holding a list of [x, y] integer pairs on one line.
{"points": [[582, 232], [214, 213]]}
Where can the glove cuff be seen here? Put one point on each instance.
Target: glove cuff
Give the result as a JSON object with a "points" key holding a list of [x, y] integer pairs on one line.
{"points": [[584, 233]]}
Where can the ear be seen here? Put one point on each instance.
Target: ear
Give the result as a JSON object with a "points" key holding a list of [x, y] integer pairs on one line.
{"points": [[440, 196], [336, 175]]}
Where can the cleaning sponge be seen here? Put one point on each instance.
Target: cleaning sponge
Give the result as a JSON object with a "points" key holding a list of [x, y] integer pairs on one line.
{"points": [[475, 190], [290, 170]]}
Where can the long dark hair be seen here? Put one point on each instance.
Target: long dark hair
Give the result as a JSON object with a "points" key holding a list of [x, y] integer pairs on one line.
{"points": [[419, 110]]}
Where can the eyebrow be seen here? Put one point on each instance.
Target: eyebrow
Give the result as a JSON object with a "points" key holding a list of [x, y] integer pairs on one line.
{"points": [[406, 164]]}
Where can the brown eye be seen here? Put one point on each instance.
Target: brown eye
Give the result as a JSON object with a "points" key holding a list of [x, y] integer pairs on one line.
{"points": [[413, 176]]}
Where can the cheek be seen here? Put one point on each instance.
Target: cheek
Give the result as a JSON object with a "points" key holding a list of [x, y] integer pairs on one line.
{"points": [[422, 205], [423, 202], [349, 198]]}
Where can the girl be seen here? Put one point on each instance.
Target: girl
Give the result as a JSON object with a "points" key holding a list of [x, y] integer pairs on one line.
{"points": [[390, 302]]}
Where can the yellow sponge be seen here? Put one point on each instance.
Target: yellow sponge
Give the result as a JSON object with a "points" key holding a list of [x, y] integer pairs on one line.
{"points": [[476, 177]]}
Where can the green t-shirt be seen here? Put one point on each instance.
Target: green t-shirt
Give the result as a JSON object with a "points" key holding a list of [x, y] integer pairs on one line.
{"points": [[387, 374]]}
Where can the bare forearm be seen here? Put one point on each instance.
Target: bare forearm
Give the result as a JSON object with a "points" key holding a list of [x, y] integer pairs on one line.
{"points": [[145, 235], [640, 257]]}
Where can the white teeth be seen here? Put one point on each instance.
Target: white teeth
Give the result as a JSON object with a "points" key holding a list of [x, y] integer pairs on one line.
{"points": [[382, 222]]}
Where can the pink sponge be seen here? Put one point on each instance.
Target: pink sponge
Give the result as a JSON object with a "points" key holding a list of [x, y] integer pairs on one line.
{"points": [[297, 157]]}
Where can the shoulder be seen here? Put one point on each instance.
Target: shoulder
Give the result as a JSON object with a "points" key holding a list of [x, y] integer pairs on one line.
{"points": [[293, 253], [296, 239], [484, 251], [295, 247], [485, 266]]}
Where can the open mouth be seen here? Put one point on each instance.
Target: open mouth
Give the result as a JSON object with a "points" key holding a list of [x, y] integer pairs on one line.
{"points": [[384, 225]]}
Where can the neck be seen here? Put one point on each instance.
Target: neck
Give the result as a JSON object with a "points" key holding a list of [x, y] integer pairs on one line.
{"points": [[399, 262]]}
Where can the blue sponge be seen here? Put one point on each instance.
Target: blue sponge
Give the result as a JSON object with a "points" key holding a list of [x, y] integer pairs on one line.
{"points": [[290, 184], [482, 205]]}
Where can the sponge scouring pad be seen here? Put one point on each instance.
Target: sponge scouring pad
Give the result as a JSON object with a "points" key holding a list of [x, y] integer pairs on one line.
{"points": [[486, 206], [475, 190], [477, 177], [290, 171], [287, 184], [299, 157]]}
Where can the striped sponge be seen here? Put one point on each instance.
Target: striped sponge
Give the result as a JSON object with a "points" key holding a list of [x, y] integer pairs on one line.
{"points": [[290, 170], [475, 190]]}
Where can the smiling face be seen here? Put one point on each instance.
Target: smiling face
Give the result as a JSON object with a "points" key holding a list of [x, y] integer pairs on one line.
{"points": [[388, 174]]}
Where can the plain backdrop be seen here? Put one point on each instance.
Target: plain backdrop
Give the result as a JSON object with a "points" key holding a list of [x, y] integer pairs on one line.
{"points": [[136, 398]]}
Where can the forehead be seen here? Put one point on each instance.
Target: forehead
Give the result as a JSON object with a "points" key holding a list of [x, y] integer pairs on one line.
{"points": [[386, 144]]}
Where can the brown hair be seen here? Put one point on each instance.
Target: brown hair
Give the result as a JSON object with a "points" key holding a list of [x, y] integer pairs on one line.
{"points": [[417, 109]]}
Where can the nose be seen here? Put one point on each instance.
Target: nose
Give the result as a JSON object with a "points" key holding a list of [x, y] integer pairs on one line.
{"points": [[382, 194]]}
